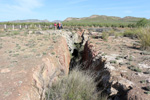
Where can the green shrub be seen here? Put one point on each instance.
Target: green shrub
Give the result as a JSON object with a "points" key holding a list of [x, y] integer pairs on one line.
{"points": [[147, 92], [143, 81], [53, 53], [118, 35], [143, 22], [132, 33], [44, 53], [113, 61], [117, 58], [105, 36], [15, 33], [76, 86], [145, 53], [94, 36], [136, 69], [147, 88], [144, 37]]}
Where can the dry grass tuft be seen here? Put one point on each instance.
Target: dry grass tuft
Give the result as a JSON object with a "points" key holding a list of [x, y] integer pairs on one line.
{"points": [[144, 38], [77, 85]]}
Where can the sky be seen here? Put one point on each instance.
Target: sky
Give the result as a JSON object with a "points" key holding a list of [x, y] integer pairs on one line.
{"points": [[62, 9]]}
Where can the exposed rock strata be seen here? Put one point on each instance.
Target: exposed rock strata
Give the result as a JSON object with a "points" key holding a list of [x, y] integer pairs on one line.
{"points": [[108, 75], [52, 68]]}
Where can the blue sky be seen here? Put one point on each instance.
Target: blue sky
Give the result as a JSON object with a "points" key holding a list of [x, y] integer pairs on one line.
{"points": [[61, 9]]}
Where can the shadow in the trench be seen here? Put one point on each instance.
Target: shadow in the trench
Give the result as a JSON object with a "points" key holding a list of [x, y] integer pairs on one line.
{"points": [[75, 59], [75, 53]]}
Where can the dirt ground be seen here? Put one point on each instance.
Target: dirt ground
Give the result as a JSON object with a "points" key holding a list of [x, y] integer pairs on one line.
{"points": [[20, 51]]}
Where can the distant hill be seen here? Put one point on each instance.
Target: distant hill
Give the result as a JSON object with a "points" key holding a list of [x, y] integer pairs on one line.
{"points": [[103, 19], [29, 20], [56, 21]]}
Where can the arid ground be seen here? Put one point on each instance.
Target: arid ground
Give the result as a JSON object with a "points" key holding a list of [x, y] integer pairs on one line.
{"points": [[23, 52]]}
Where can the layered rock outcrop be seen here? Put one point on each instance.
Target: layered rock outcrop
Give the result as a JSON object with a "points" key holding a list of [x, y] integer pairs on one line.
{"points": [[52, 68], [107, 74], [33, 76]]}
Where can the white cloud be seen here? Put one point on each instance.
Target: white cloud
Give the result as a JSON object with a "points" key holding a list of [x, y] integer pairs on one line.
{"points": [[19, 9], [30, 4]]}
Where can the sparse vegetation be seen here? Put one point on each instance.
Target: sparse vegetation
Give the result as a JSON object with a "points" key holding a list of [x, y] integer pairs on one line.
{"points": [[33, 50], [118, 57], [14, 55], [50, 48], [31, 43], [143, 81], [147, 88], [105, 36], [145, 53], [143, 34], [130, 58], [54, 39], [136, 69], [128, 63], [15, 33], [44, 53], [147, 92], [104, 54], [53, 53], [146, 72], [1, 45], [113, 61]]}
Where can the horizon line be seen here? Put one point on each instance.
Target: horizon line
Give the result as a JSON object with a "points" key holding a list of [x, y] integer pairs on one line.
{"points": [[70, 17]]}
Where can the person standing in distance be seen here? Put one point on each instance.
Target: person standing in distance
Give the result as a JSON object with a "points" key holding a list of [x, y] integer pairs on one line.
{"points": [[55, 25]]}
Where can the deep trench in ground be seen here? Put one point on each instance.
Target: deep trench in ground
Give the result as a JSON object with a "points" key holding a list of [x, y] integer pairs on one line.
{"points": [[77, 54], [77, 61]]}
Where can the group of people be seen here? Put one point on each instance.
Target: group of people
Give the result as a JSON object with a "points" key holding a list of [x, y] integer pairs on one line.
{"points": [[58, 26]]}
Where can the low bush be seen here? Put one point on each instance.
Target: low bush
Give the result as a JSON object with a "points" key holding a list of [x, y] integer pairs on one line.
{"points": [[105, 36], [1, 45], [144, 37], [136, 69], [113, 61], [132, 33], [77, 85], [142, 23], [147, 88], [15, 33], [143, 34]]}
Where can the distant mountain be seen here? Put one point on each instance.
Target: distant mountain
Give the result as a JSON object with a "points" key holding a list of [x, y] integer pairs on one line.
{"points": [[56, 21], [103, 19], [29, 20]]}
